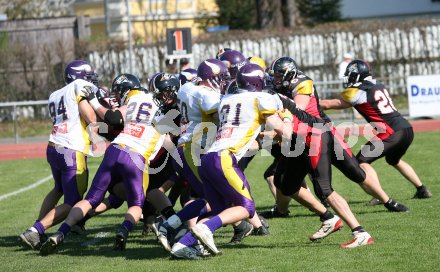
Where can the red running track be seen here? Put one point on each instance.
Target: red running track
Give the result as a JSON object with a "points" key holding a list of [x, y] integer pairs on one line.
{"points": [[38, 150]]}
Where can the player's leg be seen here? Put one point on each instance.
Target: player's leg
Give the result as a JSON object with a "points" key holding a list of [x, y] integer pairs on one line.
{"points": [[74, 181], [403, 140], [363, 174], [188, 169], [320, 170], [281, 208], [229, 181], [49, 202], [93, 198], [134, 172], [291, 184]]}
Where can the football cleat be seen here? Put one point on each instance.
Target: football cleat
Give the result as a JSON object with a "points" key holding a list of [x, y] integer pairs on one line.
{"points": [[164, 236], [328, 227], [261, 231], [149, 225], [206, 238], [202, 251], [394, 206], [263, 221], [360, 238], [180, 251], [374, 202], [422, 192], [240, 231], [52, 243], [120, 239], [79, 229], [274, 213], [32, 239]]}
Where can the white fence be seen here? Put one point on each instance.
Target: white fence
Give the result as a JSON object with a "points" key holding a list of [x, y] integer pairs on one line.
{"points": [[396, 53]]}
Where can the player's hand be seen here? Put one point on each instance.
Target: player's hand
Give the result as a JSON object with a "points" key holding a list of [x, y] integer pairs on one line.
{"points": [[87, 93], [285, 114]]}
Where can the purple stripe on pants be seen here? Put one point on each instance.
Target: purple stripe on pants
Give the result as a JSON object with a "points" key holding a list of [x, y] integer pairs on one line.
{"points": [[219, 192], [120, 164]]}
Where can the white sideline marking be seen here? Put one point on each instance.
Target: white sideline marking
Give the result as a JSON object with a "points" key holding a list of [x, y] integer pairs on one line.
{"points": [[33, 185]]}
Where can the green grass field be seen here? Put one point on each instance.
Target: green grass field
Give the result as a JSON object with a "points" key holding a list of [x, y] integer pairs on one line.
{"points": [[404, 242]]}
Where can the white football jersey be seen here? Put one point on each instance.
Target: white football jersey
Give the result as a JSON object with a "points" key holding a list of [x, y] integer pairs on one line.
{"points": [[138, 132], [241, 119], [196, 106], [69, 128]]}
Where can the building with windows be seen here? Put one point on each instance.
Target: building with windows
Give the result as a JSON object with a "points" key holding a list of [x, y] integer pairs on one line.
{"points": [[149, 18]]}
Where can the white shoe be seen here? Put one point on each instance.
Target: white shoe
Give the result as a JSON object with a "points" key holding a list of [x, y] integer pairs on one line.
{"points": [[361, 238], [180, 251], [201, 250], [328, 227], [163, 234], [205, 236]]}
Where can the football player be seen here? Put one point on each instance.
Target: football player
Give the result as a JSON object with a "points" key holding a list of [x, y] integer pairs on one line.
{"points": [[290, 81], [198, 103], [394, 133], [234, 60], [188, 75], [164, 88], [241, 116], [126, 159], [315, 159], [67, 149]]}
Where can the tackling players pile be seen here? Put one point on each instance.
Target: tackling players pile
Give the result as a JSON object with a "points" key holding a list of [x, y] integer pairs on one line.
{"points": [[194, 134]]}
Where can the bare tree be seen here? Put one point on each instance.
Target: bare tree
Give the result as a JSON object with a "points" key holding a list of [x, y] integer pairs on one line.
{"points": [[268, 14], [288, 12], [22, 9]]}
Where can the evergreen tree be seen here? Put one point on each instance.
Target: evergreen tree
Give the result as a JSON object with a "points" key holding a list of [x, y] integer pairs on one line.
{"points": [[237, 14], [319, 11]]}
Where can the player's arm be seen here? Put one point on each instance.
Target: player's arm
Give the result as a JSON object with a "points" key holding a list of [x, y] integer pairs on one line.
{"points": [[86, 111], [302, 100], [111, 117], [282, 125], [337, 103], [304, 91]]}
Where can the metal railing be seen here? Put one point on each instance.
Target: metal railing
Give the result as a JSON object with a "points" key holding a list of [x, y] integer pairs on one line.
{"points": [[15, 114]]}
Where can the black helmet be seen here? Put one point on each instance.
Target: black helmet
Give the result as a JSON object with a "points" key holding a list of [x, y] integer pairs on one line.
{"points": [[356, 71], [283, 70], [164, 88], [124, 83]]}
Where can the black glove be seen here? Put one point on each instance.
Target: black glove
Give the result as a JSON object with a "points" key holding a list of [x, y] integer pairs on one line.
{"points": [[87, 93]]}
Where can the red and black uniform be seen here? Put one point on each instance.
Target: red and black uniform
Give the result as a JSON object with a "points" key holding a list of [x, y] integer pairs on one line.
{"points": [[323, 146], [371, 99]]}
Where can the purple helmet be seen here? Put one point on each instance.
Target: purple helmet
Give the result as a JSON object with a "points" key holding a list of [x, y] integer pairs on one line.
{"points": [[251, 78], [234, 60], [214, 72], [80, 69], [221, 51], [187, 75]]}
